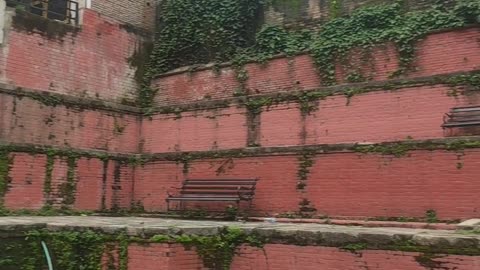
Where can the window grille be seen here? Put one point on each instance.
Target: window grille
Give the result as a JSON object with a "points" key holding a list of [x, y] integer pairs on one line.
{"points": [[66, 11]]}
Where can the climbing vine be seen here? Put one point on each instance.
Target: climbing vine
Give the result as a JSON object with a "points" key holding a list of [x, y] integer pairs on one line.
{"points": [[71, 250], [5, 162], [369, 26], [68, 189], [335, 8], [199, 31], [217, 251], [305, 162], [47, 185], [91, 250], [224, 30]]}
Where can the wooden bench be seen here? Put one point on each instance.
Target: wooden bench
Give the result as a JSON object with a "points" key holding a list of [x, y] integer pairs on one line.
{"points": [[462, 117], [215, 190]]}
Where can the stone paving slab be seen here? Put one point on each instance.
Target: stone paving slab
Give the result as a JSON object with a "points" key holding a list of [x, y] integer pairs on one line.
{"points": [[333, 235]]}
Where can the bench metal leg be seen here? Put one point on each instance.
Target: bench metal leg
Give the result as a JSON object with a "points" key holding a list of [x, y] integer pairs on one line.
{"points": [[249, 211], [238, 209]]}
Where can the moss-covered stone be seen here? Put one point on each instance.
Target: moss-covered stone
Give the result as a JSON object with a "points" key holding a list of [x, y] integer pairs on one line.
{"points": [[5, 163]]}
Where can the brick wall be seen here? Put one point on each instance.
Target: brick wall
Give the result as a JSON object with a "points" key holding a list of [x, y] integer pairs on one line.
{"points": [[279, 257], [163, 257], [60, 93], [407, 113], [434, 56], [339, 184], [139, 13], [97, 184], [27, 121], [91, 61], [411, 112], [195, 131], [275, 256]]}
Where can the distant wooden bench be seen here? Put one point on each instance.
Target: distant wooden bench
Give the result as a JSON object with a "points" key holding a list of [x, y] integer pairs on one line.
{"points": [[215, 190], [462, 117]]}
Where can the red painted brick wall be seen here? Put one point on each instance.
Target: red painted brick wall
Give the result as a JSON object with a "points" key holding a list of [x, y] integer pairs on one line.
{"points": [[91, 63], [95, 188], [163, 257], [27, 178], [195, 131], [415, 113], [153, 181], [23, 120], [340, 184], [279, 257], [434, 56]]}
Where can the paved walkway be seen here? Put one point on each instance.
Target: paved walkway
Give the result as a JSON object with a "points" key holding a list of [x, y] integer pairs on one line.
{"points": [[332, 234]]}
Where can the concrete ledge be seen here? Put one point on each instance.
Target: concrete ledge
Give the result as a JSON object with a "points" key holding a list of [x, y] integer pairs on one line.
{"points": [[394, 148], [54, 99], [64, 151], [365, 223], [291, 95], [403, 239], [471, 224]]}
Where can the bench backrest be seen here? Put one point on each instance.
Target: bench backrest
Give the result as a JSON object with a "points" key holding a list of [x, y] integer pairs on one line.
{"points": [[219, 187], [463, 116]]}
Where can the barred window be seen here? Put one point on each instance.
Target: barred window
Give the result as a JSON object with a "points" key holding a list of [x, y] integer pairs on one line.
{"points": [[60, 10]]}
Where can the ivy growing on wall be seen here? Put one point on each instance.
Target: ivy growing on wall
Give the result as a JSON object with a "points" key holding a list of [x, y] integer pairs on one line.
{"points": [[5, 163], [70, 250], [92, 250], [201, 31]]}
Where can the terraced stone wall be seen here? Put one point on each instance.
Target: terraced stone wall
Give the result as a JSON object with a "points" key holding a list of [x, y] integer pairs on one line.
{"points": [[374, 148]]}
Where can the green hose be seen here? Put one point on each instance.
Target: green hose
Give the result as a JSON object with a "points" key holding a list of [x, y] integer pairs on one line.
{"points": [[47, 255]]}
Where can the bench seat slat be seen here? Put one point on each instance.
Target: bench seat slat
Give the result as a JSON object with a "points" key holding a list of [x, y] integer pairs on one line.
{"points": [[203, 199], [215, 192], [219, 184], [465, 109], [200, 196], [471, 112], [464, 115], [221, 179], [460, 124], [464, 119], [207, 188]]}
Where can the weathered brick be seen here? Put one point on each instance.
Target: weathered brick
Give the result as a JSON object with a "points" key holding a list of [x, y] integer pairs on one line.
{"points": [[339, 184], [23, 120], [433, 56], [92, 62]]}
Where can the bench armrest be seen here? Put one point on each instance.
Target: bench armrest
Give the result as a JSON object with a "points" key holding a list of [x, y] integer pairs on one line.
{"points": [[241, 196], [169, 191]]}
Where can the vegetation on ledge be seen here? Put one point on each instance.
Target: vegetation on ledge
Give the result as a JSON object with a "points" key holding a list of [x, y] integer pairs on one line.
{"points": [[90, 250]]}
